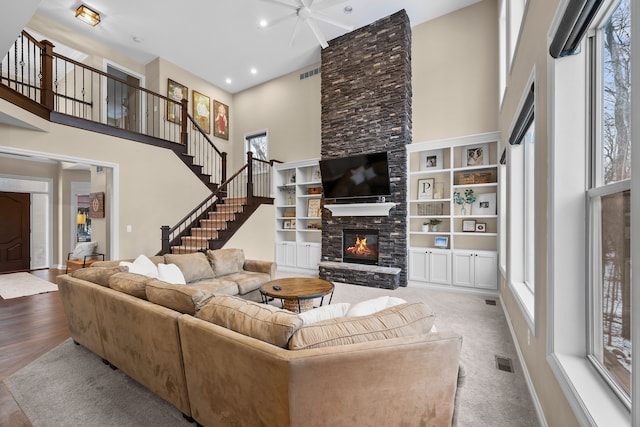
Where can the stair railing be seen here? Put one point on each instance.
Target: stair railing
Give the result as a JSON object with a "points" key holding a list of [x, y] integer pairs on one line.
{"points": [[66, 86], [250, 184]]}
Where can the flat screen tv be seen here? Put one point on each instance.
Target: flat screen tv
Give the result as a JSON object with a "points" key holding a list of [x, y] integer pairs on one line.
{"points": [[361, 175]]}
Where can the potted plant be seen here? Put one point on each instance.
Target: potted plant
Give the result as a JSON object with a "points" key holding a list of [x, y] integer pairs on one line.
{"points": [[468, 198], [425, 226], [434, 224]]}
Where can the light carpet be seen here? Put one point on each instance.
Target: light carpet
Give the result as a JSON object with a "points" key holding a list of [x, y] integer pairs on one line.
{"points": [[15, 285], [70, 386]]}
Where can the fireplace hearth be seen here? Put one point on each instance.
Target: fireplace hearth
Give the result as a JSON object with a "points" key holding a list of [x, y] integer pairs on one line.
{"points": [[360, 246]]}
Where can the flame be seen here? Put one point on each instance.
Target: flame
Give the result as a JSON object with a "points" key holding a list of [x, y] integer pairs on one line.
{"points": [[360, 248]]}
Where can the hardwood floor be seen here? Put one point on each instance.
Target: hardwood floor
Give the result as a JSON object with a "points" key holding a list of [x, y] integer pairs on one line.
{"points": [[31, 326]]}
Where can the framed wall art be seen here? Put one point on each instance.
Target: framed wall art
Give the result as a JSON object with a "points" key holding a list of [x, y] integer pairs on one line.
{"points": [[430, 160], [313, 208], [425, 188], [475, 155], [481, 227], [485, 204], [96, 205], [201, 111], [221, 120], [441, 242], [469, 225], [176, 92]]}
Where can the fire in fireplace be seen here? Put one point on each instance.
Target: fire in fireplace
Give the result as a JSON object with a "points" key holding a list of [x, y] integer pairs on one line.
{"points": [[360, 246]]}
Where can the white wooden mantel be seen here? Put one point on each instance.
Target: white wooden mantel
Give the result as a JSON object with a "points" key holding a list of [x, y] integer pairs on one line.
{"points": [[361, 209]]}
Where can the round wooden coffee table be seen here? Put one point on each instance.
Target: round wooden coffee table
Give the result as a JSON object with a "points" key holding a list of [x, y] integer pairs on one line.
{"points": [[297, 293]]}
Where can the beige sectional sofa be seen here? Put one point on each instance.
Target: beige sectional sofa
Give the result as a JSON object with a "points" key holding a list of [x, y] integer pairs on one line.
{"points": [[224, 360]]}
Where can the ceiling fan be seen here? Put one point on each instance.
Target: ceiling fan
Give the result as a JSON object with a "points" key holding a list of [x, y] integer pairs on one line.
{"points": [[308, 11]]}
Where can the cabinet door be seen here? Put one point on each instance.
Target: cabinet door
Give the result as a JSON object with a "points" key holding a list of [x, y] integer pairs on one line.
{"points": [[315, 253], [308, 255], [486, 270], [463, 268], [440, 267], [286, 254], [418, 265]]}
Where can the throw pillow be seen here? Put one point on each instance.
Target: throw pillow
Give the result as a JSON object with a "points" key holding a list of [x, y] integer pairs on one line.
{"points": [[183, 298], [130, 283], [83, 249], [98, 275], [142, 265], [226, 261], [398, 321], [194, 266], [325, 312], [367, 307], [260, 321], [170, 273]]}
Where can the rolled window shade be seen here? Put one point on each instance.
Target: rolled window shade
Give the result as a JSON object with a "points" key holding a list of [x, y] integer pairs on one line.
{"points": [[574, 24], [524, 119], [503, 157]]}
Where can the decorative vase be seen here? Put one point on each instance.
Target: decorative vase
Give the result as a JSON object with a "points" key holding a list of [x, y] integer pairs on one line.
{"points": [[463, 210], [425, 228], [434, 227]]}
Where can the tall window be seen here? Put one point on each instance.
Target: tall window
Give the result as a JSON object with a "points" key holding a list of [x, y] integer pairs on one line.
{"points": [[258, 144], [609, 200]]}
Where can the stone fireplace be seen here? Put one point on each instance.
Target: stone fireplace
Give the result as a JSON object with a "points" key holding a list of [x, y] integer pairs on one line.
{"points": [[360, 246], [366, 108]]}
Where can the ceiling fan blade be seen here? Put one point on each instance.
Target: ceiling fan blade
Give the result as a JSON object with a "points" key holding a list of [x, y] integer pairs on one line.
{"points": [[295, 32], [324, 4], [329, 20], [295, 5], [279, 20], [316, 31]]}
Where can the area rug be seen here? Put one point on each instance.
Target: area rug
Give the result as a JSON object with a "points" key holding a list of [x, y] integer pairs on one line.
{"points": [[70, 386], [15, 285]]}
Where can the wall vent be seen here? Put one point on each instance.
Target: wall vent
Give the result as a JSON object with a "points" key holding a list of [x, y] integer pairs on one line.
{"points": [[309, 73], [490, 301], [504, 364]]}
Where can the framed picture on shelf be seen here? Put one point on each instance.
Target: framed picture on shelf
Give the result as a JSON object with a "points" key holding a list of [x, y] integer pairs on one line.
{"points": [[481, 227], [286, 224], [475, 155], [293, 223], [430, 160], [315, 173], [313, 208], [425, 188], [469, 225], [485, 204], [441, 242]]}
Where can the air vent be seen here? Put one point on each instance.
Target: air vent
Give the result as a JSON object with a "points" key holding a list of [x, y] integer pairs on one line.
{"points": [[504, 364], [490, 301], [309, 73]]}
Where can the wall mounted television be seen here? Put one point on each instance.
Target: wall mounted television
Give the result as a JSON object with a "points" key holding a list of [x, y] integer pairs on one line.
{"points": [[357, 176]]}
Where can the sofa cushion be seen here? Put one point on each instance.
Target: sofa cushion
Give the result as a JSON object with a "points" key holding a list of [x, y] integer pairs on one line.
{"points": [[325, 312], [170, 273], [264, 322], [397, 321], [219, 286], [130, 283], [226, 261], [248, 280], [370, 306], [83, 249], [97, 275], [194, 266], [142, 265], [183, 298]]}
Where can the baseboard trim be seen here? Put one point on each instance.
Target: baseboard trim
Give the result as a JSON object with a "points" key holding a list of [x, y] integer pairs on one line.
{"points": [[532, 390]]}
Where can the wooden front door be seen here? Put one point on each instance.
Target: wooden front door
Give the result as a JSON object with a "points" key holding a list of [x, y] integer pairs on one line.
{"points": [[15, 228]]}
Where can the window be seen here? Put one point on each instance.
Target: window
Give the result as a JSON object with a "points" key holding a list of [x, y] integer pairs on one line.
{"points": [[502, 43], [609, 201], [516, 16], [258, 144], [522, 208], [502, 190]]}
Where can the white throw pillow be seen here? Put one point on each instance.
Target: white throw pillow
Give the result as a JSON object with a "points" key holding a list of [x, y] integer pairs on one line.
{"points": [[364, 308], [323, 313], [170, 273], [142, 265], [394, 301], [83, 249]]}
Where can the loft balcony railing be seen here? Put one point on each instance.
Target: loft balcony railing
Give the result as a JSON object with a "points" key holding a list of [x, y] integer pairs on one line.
{"points": [[65, 86]]}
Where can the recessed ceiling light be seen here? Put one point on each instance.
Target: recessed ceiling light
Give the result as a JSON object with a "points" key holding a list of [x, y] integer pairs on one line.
{"points": [[263, 23], [348, 9], [254, 71], [228, 80]]}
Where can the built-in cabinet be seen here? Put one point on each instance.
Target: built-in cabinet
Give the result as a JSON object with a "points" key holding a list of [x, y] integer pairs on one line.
{"points": [[297, 197], [453, 216]]}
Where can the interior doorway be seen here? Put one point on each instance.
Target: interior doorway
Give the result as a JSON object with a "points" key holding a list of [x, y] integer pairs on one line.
{"points": [[15, 228], [125, 105]]}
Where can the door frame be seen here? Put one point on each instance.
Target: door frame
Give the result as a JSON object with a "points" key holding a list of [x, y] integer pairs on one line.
{"points": [[114, 182]]}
